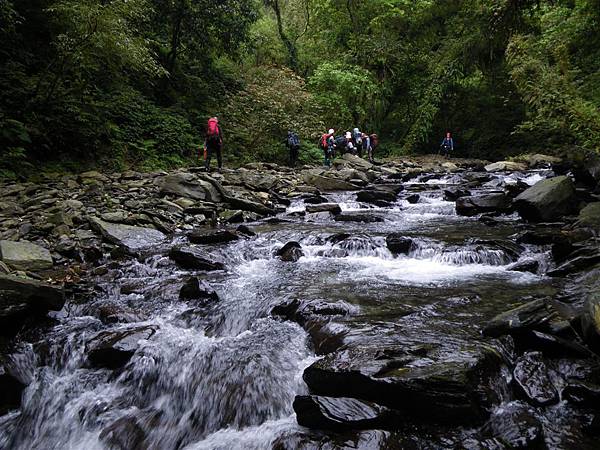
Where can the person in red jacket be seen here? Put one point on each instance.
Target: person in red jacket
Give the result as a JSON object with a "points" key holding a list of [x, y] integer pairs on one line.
{"points": [[213, 142]]}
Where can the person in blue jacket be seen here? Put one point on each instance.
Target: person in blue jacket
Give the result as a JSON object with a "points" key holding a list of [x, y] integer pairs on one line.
{"points": [[447, 145]]}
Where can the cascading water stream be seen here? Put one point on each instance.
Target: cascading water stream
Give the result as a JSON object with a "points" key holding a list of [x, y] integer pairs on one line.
{"points": [[224, 376]]}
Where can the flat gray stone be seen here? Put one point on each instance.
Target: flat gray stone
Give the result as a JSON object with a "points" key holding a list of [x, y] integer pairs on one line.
{"points": [[25, 255], [128, 236]]}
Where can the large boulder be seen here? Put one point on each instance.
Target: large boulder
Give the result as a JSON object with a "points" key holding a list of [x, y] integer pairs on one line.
{"points": [[506, 166], [584, 257], [195, 289], [11, 388], [358, 217], [113, 349], [212, 237], [21, 298], [534, 315], [124, 434], [539, 160], [452, 194], [590, 321], [472, 205], [325, 183], [248, 205], [290, 252], [332, 208], [589, 217], [127, 236], [398, 244], [194, 258], [547, 200], [316, 316], [516, 426], [386, 193], [24, 255], [436, 390], [188, 185], [341, 413], [533, 379]]}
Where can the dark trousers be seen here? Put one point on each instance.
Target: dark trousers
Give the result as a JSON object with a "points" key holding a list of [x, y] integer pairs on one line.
{"points": [[213, 146], [294, 150]]}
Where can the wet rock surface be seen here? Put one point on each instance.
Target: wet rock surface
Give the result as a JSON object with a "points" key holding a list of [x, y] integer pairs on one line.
{"points": [[113, 349], [547, 200], [341, 413], [445, 330]]}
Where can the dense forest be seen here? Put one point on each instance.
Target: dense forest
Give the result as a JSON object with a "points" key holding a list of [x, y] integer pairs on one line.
{"points": [[131, 83]]}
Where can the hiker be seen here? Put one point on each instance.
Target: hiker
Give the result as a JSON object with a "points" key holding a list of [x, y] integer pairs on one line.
{"points": [[374, 143], [366, 145], [349, 148], [293, 145], [213, 142], [327, 144], [340, 144], [447, 145], [357, 141]]}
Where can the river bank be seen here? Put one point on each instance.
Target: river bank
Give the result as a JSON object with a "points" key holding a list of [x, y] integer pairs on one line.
{"points": [[415, 304]]}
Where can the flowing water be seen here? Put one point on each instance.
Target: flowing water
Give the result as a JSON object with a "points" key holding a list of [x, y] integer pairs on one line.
{"points": [[224, 376]]}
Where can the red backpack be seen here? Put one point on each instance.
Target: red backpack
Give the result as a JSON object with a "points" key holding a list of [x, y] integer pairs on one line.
{"points": [[212, 130], [324, 140]]}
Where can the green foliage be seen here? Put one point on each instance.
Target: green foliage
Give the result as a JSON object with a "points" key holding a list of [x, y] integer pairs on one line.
{"points": [[256, 119], [131, 83], [345, 94], [562, 105]]}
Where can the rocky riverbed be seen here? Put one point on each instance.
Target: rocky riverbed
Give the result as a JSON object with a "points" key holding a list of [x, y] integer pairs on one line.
{"points": [[419, 303]]}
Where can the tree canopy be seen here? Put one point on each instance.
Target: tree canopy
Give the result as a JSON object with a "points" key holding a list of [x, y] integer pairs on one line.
{"points": [[122, 83]]}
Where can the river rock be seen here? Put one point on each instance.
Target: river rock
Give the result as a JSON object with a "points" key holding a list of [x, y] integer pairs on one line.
{"points": [[398, 244], [349, 440], [547, 200], [413, 198], [114, 348], [195, 289], [527, 265], [378, 193], [124, 434], [325, 183], [21, 298], [11, 388], [212, 237], [541, 161], [188, 185], [516, 426], [315, 317], [129, 237], [438, 391], [587, 171], [578, 260], [358, 217], [582, 393], [589, 217], [290, 252], [505, 166], [329, 413], [536, 314], [470, 206], [315, 199], [194, 258], [332, 208], [590, 320], [249, 205], [532, 378], [24, 255], [245, 230], [452, 194]]}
